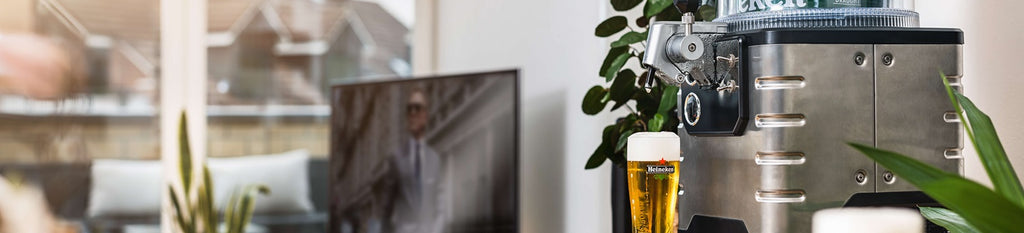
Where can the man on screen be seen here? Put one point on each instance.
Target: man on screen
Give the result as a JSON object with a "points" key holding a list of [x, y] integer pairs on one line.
{"points": [[419, 194]]}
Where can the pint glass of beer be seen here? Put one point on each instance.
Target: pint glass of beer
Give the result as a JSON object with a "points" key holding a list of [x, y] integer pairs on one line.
{"points": [[652, 163]]}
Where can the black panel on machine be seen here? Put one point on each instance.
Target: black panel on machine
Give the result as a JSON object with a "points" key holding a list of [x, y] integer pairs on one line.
{"points": [[721, 113]]}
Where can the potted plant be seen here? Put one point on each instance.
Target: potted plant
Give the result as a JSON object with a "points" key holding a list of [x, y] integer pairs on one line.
{"points": [[649, 110], [972, 207], [195, 211]]}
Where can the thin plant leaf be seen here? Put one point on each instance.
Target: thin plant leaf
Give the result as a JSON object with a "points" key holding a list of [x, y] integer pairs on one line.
{"points": [[991, 153], [179, 212], [956, 106], [980, 129], [185, 155], [247, 202], [230, 214], [981, 207], [201, 212], [206, 202], [947, 219]]}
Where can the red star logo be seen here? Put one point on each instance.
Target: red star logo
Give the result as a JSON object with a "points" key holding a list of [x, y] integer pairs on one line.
{"points": [[662, 162]]}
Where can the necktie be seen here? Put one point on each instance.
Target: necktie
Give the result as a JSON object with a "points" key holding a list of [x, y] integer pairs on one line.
{"points": [[417, 168]]}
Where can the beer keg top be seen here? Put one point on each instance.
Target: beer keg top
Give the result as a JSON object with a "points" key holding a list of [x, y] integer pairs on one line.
{"points": [[745, 15], [653, 146]]}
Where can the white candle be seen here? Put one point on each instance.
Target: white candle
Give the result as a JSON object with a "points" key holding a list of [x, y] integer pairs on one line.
{"points": [[875, 220]]}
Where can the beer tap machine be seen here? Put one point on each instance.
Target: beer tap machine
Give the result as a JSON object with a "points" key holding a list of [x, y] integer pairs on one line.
{"points": [[772, 90]]}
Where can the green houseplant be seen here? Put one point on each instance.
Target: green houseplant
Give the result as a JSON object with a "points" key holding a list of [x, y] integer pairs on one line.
{"points": [[654, 108], [972, 206], [194, 210]]}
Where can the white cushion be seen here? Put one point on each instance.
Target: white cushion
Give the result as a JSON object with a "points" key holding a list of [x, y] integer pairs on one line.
{"points": [[286, 175], [125, 187]]}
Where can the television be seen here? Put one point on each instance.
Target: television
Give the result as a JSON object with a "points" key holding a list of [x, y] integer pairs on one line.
{"points": [[425, 155]]}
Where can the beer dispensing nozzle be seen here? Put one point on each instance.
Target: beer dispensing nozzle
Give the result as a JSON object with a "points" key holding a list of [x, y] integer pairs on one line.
{"points": [[678, 49]]}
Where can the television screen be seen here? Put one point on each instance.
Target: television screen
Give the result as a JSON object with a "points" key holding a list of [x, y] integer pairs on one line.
{"points": [[425, 155]]}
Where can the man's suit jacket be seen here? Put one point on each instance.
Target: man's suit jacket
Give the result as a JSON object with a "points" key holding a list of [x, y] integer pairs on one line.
{"points": [[420, 198]]}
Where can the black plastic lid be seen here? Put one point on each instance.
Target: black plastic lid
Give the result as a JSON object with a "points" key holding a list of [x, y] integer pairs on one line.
{"points": [[854, 36]]}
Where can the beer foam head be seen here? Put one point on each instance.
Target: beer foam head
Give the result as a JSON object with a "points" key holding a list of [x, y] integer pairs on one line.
{"points": [[652, 146]]}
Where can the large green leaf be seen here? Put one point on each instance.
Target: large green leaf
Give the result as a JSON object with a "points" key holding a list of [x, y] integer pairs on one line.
{"points": [[991, 153], [981, 207], [619, 105], [615, 66], [602, 151], [623, 86], [982, 132], [630, 38], [625, 5], [610, 58], [668, 99], [947, 219], [597, 158], [669, 15], [656, 123], [653, 7], [593, 102], [611, 26]]}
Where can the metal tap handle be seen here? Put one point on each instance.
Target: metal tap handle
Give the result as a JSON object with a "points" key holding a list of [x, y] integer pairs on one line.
{"points": [[731, 59]]}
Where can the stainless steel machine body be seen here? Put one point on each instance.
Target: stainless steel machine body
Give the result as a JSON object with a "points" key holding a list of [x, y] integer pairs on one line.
{"points": [[766, 116]]}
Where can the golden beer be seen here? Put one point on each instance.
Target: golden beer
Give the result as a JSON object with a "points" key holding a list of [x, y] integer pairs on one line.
{"points": [[653, 178]]}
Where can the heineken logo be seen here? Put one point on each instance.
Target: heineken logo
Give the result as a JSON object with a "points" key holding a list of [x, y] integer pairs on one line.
{"points": [[661, 170]]}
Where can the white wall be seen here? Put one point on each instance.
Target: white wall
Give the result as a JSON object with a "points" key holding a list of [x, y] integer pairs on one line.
{"points": [[552, 44], [993, 50]]}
